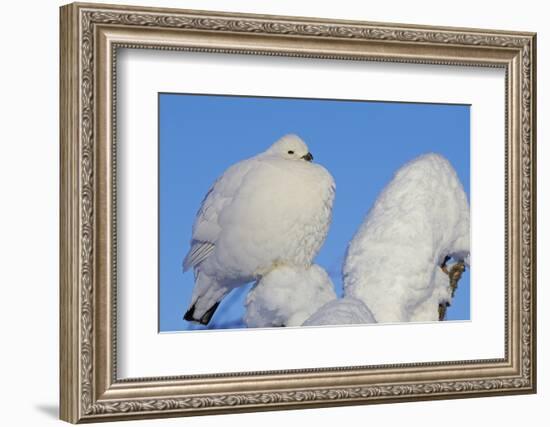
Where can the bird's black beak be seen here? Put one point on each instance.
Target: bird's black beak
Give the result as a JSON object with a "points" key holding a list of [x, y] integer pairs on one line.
{"points": [[308, 157]]}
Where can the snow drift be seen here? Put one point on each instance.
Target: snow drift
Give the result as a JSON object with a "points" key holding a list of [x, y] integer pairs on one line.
{"points": [[345, 311], [287, 296], [393, 262]]}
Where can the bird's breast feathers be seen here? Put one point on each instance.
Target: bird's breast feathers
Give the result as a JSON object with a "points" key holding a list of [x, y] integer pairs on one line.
{"points": [[266, 211]]}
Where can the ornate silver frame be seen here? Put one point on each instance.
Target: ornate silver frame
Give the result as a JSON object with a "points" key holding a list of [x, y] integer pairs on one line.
{"points": [[90, 35]]}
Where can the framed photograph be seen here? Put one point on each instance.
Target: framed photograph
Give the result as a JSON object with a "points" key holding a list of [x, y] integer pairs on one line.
{"points": [[266, 212]]}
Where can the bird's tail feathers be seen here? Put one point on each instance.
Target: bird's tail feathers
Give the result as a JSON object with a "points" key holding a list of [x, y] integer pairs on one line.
{"points": [[190, 315], [207, 296]]}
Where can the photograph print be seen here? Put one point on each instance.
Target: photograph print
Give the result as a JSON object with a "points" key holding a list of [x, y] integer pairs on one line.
{"points": [[294, 212]]}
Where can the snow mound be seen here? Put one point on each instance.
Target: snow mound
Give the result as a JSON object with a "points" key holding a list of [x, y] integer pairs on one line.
{"points": [[428, 309], [345, 311], [287, 296], [393, 262]]}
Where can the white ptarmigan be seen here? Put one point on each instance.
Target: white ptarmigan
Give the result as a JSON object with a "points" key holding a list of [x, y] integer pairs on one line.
{"points": [[270, 210]]}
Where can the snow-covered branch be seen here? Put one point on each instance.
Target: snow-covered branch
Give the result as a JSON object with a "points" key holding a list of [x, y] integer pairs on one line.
{"points": [[344, 311], [393, 261], [287, 296]]}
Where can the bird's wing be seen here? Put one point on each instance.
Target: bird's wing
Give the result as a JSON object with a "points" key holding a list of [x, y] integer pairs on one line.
{"points": [[199, 252], [207, 228]]}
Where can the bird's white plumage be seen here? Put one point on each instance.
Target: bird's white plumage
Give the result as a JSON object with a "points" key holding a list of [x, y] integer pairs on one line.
{"points": [[392, 263], [287, 296], [272, 209]]}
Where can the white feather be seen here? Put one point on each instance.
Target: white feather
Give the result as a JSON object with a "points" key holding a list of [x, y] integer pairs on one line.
{"points": [[199, 252]]}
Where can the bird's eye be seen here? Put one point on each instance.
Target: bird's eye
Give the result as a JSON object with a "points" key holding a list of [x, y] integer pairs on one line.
{"points": [[291, 152]]}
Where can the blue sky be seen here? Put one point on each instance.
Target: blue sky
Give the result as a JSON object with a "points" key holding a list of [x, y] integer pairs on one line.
{"points": [[361, 143]]}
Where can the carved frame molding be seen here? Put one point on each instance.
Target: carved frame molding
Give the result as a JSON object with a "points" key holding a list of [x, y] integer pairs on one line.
{"points": [[90, 37]]}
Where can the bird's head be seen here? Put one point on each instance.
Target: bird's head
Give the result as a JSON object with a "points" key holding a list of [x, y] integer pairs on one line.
{"points": [[290, 147]]}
